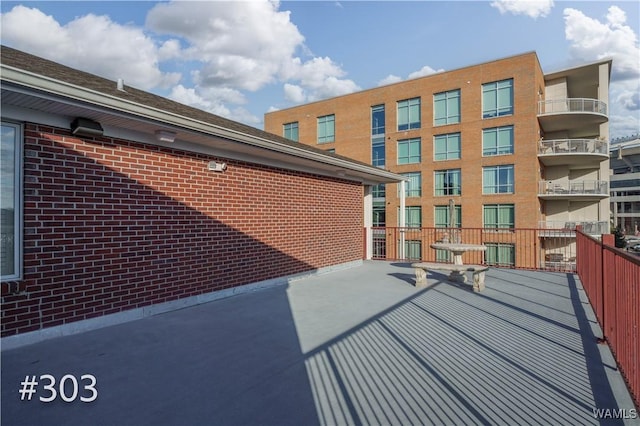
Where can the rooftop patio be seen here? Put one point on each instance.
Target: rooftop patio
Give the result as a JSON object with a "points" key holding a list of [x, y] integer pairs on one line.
{"points": [[358, 346]]}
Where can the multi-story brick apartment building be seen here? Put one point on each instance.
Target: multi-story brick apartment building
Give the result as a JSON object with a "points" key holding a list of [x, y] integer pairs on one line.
{"points": [[513, 147]]}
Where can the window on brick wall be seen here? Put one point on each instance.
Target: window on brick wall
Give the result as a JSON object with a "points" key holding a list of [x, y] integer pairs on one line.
{"points": [[499, 216], [11, 201], [413, 186], [497, 141], [497, 179], [412, 216], [326, 128], [446, 147], [409, 114], [409, 151], [447, 182], [446, 108], [497, 98], [500, 254], [291, 131]]}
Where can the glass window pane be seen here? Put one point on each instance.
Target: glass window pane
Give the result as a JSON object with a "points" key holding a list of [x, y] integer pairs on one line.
{"points": [[9, 181]]}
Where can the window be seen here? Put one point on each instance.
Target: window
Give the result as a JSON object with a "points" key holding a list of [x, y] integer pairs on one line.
{"points": [[379, 214], [412, 187], [409, 151], [378, 191], [499, 216], [11, 201], [291, 131], [497, 98], [412, 216], [497, 141], [409, 114], [377, 151], [326, 128], [413, 249], [446, 107], [447, 182], [497, 179], [500, 254], [441, 217], [446, 147], [377, 120]]}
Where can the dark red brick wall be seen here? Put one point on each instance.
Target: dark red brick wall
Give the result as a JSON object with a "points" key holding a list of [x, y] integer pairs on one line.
{"points": [[111, 225]]}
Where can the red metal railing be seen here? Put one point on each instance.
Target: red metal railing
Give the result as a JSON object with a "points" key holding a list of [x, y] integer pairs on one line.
{"points": [[545, 249], [611, 279]]}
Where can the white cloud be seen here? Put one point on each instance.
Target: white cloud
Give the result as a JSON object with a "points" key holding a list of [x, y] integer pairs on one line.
{"points": [[390, 79], [243, 45], [592, 39], [319, 78], [294, 93], [531, 8], [424, 71], [91, 43]]}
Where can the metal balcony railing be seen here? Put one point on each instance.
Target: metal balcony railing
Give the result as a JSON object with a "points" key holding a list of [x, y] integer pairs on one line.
{"points": [[588, 227], [572, 105], [579, 187], [574, 146]]}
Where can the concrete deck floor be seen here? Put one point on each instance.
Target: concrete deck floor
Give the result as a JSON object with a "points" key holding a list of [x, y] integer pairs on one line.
{"points": [[358, 346]]}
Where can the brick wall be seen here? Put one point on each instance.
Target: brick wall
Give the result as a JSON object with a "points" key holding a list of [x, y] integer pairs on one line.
{"points": [[111, 225]]}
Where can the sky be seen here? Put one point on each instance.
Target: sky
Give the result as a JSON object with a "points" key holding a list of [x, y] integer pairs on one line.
{"points": [[242, 59]]}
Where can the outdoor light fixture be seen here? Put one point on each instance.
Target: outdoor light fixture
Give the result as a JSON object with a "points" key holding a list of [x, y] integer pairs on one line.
{"points": [[86, 127], [165, 136], [217, 167]]}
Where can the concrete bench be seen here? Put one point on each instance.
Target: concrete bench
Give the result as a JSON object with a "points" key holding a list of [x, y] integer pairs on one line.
{"points": [[457, 273]]}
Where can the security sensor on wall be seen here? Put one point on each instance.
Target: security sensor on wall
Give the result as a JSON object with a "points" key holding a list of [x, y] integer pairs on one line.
{"points": [[217, 167]]}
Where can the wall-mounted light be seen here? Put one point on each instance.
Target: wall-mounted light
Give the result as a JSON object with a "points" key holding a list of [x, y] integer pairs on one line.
{"points": [[217, 167], [165, 136], [86, 127]]}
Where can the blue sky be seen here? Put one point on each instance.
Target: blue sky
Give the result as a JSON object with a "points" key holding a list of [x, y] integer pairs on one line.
{"points": [[242, 59]]}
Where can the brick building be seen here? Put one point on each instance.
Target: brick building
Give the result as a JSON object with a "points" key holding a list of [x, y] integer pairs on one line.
{"points": [[117, 203], [508, 145]]}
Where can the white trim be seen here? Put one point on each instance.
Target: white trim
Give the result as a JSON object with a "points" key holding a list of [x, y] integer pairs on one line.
{"points": [[24, 339], [65, 91], [17, 202]]}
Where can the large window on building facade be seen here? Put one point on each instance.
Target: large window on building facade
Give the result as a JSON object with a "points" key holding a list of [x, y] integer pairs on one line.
{"points": [[446, 147], [290, 131], [413, 249], [11, 201], [327, 129], [447, 182], [377, 136], [413, 186], [409, 114], [497, 179], [412, 216], [409, 151], [497, 98], [497, 141], [446, 108], [441, 216], [499, 216], [500, 254]]}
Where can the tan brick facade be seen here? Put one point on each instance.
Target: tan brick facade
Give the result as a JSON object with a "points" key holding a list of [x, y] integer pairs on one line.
{"points": [[353, 136]]}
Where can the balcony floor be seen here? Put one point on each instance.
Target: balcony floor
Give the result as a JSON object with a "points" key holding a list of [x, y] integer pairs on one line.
{"points": [[357, 346]]}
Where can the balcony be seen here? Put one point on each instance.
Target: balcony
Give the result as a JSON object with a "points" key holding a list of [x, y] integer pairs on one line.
{"points": [[572, 151], [561, 228], [572, 114], [585, 190]]}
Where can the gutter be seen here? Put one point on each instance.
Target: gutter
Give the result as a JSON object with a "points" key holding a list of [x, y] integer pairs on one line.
{"points": [[66, 90]]}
